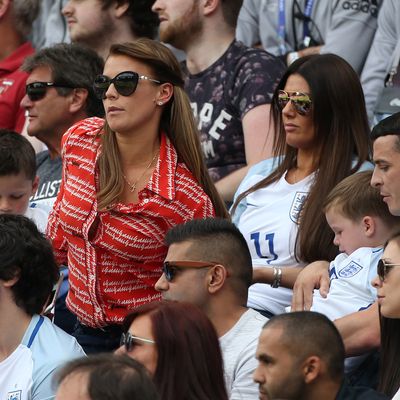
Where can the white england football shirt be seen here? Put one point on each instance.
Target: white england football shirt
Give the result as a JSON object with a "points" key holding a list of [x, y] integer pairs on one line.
{"points": [[350, 289], [270, 224], [27, 373]]}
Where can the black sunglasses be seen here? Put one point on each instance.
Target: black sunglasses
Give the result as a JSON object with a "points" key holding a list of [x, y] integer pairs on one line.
{"points": [[170, 268], [128, 340], [125, 83], [384, 268], [301, 101], [37, 90]]}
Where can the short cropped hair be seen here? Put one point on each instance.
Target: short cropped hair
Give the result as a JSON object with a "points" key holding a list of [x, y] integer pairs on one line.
{"points": [[16, 155], [111, 377], [217, 240], [25, 253], [230, 10], [355, 198], [388, 126], [143, 21], [308, 333], [74, 65], [25, 12]]}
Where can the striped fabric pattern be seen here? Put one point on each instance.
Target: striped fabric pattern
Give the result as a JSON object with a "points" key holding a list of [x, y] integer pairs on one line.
{"points": [[115, 256]]}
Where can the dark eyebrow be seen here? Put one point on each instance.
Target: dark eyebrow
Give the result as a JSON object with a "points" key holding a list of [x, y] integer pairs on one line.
{"points": [[264, 358]]}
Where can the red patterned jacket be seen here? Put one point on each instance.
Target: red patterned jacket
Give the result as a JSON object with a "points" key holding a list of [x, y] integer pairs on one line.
{"points": [[113, 266]]}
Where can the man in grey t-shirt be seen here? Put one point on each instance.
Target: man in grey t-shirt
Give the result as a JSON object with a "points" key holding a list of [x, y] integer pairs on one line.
{"points": [[52, 109], [209, 264]]}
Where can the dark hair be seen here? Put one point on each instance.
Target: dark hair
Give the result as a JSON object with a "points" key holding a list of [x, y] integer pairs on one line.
{"points": [[25, 253], [177, 122], [25, 13], [308, 333], [388, 126], [73, 65], [217, 240], [143, 21], [355, 198], [16, 155], [341, 131], [189, 362], [389, 358], [111, 376], [230, 10]]}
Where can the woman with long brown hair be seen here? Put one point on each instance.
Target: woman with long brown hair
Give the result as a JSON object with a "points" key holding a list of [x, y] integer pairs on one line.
{"points": [[319, 115], [126, 181], [179, 346]]}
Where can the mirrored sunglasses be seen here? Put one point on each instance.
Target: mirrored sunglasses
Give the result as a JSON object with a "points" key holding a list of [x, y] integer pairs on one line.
{"points": [[384, 268], [170, 268], [37, 90], [129, 341], [125, 83], [301, 101]]}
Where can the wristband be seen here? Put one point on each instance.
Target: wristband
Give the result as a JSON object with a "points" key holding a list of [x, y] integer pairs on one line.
{"points": [[277, 278]]}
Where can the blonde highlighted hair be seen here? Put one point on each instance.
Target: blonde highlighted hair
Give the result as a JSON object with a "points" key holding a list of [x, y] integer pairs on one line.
{"points": [[177, 121]]}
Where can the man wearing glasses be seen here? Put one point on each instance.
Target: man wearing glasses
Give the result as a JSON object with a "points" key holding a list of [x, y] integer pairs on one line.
{"points": [[59, 93], [208, 264]]}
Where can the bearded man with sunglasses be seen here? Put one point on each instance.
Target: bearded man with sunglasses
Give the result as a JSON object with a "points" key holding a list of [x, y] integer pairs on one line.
{"points": [[209, 264], [59, 93]]}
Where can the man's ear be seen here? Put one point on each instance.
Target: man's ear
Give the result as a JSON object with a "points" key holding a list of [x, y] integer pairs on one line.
{"points": [[209, 6], [311, 369], [120, 8], [78, 100], [4, 7], [216, 277]]}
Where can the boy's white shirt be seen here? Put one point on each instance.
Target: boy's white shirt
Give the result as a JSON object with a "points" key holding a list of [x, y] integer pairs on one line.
{"points": [[350, 288], [39, 216]]}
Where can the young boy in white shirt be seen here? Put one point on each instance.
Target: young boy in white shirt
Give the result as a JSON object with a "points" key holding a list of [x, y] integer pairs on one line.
{"points": [[361, 223], [18, 180]]}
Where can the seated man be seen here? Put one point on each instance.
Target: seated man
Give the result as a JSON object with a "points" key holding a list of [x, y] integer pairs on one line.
{"points": [[105, 377], [301, 356], [31, 347], [209, 264]]}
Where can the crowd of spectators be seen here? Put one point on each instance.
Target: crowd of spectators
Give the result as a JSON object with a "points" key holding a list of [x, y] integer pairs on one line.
{"points": [[207, 193]]}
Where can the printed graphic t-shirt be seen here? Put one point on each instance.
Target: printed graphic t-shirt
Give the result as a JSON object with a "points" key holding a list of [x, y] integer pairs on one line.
{"points": [[242, 79]]}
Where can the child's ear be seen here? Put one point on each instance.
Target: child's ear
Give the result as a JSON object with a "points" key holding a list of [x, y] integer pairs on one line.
{"points": [[35, 185], [369, 225]]}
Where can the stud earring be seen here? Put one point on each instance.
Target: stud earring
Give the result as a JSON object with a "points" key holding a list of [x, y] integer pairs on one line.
{"points": [[160, 103]]}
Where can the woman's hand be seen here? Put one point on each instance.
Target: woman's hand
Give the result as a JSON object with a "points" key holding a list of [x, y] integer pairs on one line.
{"points": [[313, 276]]}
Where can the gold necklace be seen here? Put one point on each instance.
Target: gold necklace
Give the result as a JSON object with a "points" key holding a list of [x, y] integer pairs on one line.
{"points": [[132, 186]]}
